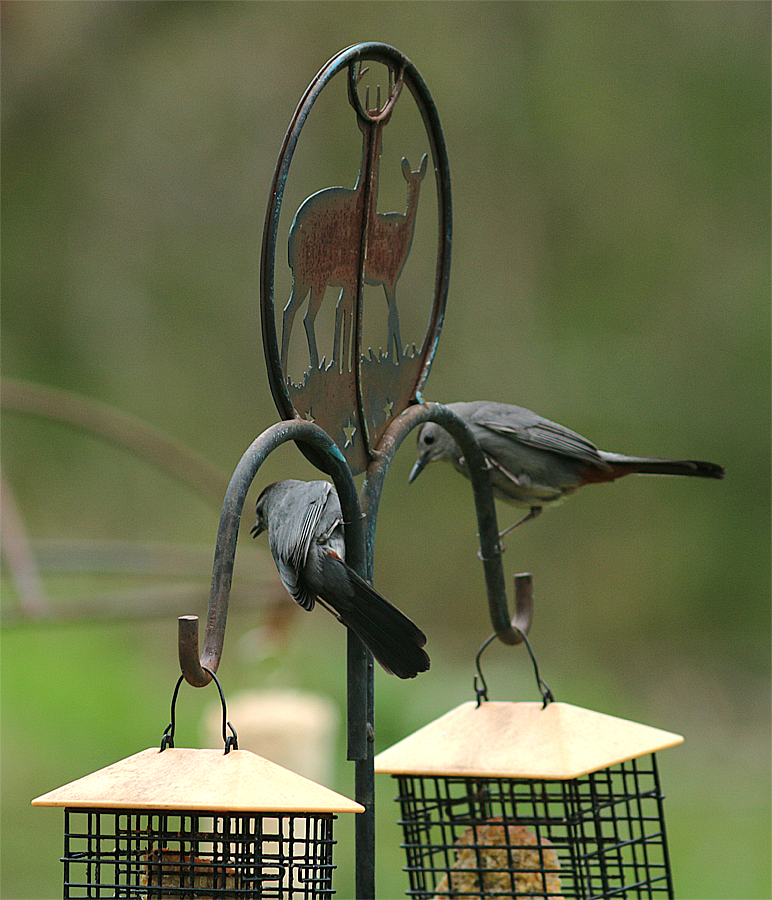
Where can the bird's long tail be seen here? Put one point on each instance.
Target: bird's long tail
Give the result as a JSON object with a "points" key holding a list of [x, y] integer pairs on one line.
{"points": [[393, 639], [649, 466]]}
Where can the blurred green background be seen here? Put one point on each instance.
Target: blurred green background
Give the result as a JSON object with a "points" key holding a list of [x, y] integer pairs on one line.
{"points": [[611, 265]]}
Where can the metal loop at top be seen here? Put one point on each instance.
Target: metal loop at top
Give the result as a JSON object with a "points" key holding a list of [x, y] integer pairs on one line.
{"points": [[231, 740], [396, 78]]}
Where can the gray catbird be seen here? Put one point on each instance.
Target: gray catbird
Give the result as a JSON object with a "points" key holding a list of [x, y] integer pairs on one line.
{"points": [[534, 462], [305, 533]]}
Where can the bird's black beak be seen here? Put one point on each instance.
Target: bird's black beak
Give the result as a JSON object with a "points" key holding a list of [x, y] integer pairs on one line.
{"points": [[257, 528], [419, 466]]}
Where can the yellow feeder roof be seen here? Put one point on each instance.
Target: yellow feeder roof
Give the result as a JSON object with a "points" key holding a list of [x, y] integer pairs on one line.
{"points": [[206, 780], [521, 740]]}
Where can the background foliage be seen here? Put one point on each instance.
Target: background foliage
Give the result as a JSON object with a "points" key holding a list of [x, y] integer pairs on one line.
{"points": [[610, 168]]}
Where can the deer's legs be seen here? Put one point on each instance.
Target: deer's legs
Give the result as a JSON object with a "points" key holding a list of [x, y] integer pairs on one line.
{"points": [[317, 295], [343, 350], [394, 339], [296, 298]]}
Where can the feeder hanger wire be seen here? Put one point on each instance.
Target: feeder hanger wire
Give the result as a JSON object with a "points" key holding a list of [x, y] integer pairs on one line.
{"points": [[231, 740], [481, 686]]}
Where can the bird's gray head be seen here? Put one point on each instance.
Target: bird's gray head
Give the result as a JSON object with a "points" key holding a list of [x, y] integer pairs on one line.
{"points": [[262, 510], [434, 443]]}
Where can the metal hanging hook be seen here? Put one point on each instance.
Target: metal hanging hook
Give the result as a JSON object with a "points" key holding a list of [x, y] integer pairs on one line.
{"points": [[231, 740], [481, 687], [198, 668]]}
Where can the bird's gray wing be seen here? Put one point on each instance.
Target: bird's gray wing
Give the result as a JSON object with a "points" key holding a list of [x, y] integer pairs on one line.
{"points": [[291, 540], [534, 431]]}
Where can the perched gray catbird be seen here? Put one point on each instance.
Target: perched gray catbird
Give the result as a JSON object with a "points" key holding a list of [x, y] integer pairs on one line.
{"points": [[305, 533], [534, 462]]}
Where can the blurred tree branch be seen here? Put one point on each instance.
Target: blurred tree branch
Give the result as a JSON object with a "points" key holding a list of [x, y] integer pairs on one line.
{"points": [[119, 428], [19, 557], [26, 559]]}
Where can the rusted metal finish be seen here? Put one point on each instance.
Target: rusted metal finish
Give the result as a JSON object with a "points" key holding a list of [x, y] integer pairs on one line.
{"points": [[187, 647], [339, 239], [334, 238], [487, 523]]}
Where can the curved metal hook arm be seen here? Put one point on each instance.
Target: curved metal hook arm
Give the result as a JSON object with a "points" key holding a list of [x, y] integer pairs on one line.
{"points": [[193, 666], [509, 632]]}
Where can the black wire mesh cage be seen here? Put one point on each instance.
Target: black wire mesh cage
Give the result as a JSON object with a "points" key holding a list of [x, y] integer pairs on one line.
{"points": [[601, 835], [197, 824], [240, 856], [485, 822]]}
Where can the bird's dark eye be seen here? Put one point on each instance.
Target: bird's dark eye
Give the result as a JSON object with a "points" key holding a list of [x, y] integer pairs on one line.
{"points": [[428, 438]]}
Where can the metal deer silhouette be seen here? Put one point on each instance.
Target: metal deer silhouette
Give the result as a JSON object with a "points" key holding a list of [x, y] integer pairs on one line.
{"points": [[389, 239], [325, 247]]}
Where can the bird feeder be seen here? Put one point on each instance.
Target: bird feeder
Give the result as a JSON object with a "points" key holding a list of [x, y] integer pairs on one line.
{"points": [[197, 824], [524, 800]]}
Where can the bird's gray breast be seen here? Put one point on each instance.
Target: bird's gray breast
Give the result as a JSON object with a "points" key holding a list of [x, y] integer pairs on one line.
{"points": [[525, 475]]}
